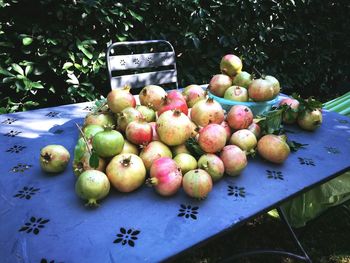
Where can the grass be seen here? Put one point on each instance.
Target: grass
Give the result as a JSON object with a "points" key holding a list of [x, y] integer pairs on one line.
{"points": [[326, 239]]}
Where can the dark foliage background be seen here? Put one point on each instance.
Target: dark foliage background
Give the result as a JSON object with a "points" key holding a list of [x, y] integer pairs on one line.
{"points": [[52, 52]]}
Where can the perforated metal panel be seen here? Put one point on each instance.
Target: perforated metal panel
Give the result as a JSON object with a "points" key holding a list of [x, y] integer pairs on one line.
{"points": [[139, 70]]}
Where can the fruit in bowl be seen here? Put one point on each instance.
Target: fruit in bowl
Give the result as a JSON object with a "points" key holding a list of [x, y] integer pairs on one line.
{"points": [[257, 107]]}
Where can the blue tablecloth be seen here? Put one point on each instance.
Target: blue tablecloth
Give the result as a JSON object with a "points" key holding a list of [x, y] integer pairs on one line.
{"points": [[43, 219]]}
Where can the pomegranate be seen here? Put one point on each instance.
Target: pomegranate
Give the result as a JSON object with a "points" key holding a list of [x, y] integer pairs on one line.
{"points": [[179, 149], [54, 158], [193, 94], [291, 114], [213, 165], [155, 136], [219, 84], [239, 117], [126, 116], [119, 99], [92, 185], [175, 95], [130, 148], [231, 65], [139, 132], [244, 139], [90, 130], [152, 96], [234, 159], [236, 93], [104, 119], [172, 104], [207, 111], [212, 138], [108, 143], [275, 85], [261, 90], [273, 148], [126, 172], [310, 120], [186, 162], [242, 79], [174, 128], [255, 128], [153, 151], [227, 129], [148, 113], [197, 183], [165, 176]]}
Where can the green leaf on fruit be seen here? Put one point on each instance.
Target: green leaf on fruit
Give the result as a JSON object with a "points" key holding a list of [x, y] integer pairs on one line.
{"points": [[308, 104], [271, 121], [295, 146], [194, 148], [93, 161]]}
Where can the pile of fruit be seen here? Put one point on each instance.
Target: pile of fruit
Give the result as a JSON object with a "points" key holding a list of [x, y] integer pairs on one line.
{"points": [[174, 139]]}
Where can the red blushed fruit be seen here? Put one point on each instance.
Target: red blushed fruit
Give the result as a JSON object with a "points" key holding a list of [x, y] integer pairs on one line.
{"points": [[212, 138], [219, 84], [165, 176], [173, 104], [239, 117], [176, 95], [234, 159], [139, 133], [291, 114]]}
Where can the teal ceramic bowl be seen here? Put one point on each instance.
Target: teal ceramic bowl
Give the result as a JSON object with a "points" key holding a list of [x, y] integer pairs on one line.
{"points": [[257, 107]]}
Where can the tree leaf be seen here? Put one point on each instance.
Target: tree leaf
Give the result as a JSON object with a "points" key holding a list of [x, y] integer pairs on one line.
{"points": [[67, 65], [37, 85], [17, 68], [27, 41]]}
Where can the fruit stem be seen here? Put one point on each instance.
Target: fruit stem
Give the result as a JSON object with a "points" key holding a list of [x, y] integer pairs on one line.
{"points": [[84, 138], [257, 71], [92, 203], [151, 181], [126, 161]]}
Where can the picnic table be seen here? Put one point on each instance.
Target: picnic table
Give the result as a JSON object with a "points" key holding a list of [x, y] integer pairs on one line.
{"points": [[43, 220]]}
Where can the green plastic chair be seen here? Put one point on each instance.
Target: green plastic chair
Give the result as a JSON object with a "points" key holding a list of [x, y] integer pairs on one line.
{"points": [[313, 203]]}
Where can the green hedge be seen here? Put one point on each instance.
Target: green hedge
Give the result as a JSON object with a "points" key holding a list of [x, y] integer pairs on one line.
{"points": [[52, 52]]}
